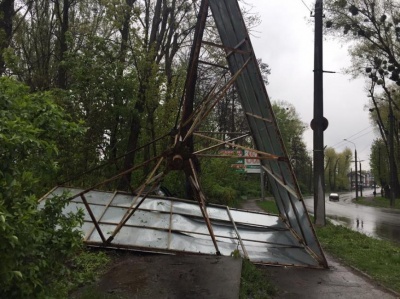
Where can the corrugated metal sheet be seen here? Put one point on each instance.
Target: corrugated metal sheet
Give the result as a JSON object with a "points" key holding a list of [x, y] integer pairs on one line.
{"points": [[177, 226], [263, 126]]}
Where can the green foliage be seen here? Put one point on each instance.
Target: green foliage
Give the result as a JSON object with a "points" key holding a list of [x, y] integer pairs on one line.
{"points": [[336, 169], [379, 259], [175, 182], [248, 185], [86, 266], [36, 245], [379, 162], [254, 284], [33, 129], [268, 206], [372, 28], [289, 122], [221, 183], [219, 180], [292, 129]]}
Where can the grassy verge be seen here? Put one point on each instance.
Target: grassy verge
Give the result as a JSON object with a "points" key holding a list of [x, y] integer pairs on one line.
{"points": [[378, 201], [268, 206], [379, 259]]}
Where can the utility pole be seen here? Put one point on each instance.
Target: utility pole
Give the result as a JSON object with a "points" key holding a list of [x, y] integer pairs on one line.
{"points": [[355, 162], [319, 123], [361, 186], [391, 155], [351, 179]]}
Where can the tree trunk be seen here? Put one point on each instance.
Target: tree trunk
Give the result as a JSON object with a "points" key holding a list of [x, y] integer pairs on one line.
{"points": [[6, 28], [129, 160], [63, 17], [124, 30]]}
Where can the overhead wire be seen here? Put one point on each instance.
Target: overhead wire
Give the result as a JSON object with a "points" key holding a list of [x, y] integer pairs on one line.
{"points": [[366, 133], [306, 6], [355, 134], [360, 132]]}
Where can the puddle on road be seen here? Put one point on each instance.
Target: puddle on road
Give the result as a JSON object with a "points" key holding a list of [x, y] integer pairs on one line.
{"points": [[378, 223]]}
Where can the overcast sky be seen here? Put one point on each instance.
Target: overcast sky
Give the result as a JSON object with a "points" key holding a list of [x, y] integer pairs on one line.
{"points": [[285, 41]]}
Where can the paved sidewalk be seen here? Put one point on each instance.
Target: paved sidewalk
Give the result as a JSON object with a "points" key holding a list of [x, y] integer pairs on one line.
{"points": [[152, 276], [338, 281]]}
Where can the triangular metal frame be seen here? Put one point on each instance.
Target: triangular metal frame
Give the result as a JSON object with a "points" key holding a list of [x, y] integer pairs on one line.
{"points": [[269, 147]]}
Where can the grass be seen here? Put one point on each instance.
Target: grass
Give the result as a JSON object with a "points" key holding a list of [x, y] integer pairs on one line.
{"points": [[378, 201], [89, 265], [377, 258], [268, 206], [254, 283]]}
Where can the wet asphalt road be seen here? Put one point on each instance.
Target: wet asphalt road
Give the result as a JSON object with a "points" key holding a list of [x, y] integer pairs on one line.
{"points": [[376, 222]]}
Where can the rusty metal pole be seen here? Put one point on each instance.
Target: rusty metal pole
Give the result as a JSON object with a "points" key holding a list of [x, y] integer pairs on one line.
{"points": [[190, 84], [319, 123]]}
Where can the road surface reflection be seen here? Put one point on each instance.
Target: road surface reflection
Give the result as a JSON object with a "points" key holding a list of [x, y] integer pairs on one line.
{"points": [[376, 222]]}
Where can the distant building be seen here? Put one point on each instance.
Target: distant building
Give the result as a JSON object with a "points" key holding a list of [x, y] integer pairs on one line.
{"points": [[366, 180]]}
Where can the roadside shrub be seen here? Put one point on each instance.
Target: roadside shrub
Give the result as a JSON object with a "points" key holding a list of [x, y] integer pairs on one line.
{"points": [[37, 246], [218, 180]]}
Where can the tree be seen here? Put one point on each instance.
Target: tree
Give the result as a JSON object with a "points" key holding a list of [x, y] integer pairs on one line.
{"points": [[374, 31], [162, 29], [292, 129], [6, 29], [373, 27], [337, 168], [35, 243], [379, 163]]}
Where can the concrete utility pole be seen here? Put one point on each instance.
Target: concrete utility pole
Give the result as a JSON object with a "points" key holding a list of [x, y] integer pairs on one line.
{"points": [[319, 123], [361, 180], [355, 162], [391, 155]]}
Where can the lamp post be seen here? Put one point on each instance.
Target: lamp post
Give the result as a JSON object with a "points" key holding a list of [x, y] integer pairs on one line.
{"points": [[355, 160]]}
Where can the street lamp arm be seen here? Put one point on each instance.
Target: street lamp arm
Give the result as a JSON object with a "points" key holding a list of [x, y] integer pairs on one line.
{"points": [[355, 147]]}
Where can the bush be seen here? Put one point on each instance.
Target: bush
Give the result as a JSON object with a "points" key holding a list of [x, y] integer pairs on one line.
{"points": [[218, 181], [37, 247]]}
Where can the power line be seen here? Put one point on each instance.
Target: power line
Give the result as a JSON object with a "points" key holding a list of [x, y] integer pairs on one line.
{"points": [[366, 133], [306, 6], [355, 134], [359, 132]]}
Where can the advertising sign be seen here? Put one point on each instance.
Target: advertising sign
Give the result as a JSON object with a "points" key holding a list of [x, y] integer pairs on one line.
{"points": [[243, 165], [251, 165]]}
